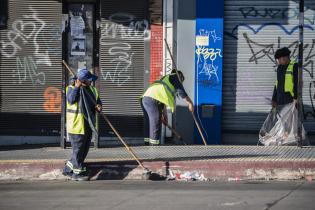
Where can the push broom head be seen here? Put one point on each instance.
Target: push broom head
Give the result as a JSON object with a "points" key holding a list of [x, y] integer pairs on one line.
{"points": [[149, 175]]}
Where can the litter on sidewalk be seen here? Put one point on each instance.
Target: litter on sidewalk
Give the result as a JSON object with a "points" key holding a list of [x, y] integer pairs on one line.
{"points": [[187, 176]]}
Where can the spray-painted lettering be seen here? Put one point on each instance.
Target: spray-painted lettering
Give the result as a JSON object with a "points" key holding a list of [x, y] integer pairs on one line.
{"points": [[262, 50], [124, 26], [122, 60], [277, 13], [26, 68], [19, 30]]}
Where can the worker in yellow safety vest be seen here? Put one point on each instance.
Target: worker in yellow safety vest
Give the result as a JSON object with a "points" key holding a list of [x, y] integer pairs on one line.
{"points": [[160, 94], [82, 103], [285, 90]]}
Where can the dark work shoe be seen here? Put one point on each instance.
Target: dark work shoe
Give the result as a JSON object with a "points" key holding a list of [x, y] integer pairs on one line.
{"points": [[67, 173], [80, 177]]}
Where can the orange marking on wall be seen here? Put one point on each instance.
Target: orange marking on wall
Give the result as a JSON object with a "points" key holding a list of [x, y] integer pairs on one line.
{"points": [[52, 96]]}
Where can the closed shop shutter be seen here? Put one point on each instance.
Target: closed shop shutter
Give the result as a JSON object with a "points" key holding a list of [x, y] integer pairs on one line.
{"points": [[30, 69], [254, 30], [124, 28]]}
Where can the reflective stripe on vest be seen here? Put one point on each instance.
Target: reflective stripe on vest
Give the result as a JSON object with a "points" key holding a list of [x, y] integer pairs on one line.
{"points": [[288, 81], [167, 87], [155, 142], [74, 116], [162, 91]]}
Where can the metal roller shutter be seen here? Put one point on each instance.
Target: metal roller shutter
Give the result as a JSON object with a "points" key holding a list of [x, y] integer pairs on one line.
{"points": [[124, 27], [254, 30], [30, 69]]}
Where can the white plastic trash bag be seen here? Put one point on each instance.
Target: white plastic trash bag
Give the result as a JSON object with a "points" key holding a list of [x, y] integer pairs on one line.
{"points": [[281, 127]]}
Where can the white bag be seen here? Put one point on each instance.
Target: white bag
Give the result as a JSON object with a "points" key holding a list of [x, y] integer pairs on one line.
{"points": [[281, 127]]}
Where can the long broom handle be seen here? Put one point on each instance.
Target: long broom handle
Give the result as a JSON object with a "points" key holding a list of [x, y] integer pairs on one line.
{"points": [[197, 124], [193, 115], [112, 127], [172, 129]]}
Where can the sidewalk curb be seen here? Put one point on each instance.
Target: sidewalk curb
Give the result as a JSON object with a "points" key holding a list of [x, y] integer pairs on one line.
{"points": [[126, 170]]}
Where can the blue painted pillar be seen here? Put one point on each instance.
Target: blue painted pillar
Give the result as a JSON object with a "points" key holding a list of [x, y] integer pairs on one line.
{"points": [[208, 69]]}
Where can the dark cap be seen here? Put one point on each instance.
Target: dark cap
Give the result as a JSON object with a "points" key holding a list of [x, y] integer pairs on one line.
{"points": [[282, 52], [180, 74]]}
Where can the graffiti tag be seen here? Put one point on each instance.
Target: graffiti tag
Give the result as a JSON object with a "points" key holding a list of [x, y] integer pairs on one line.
{"points": [[52, 96]]}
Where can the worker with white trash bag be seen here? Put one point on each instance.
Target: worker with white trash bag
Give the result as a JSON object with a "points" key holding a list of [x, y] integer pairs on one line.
{"points": [[281, 125]]}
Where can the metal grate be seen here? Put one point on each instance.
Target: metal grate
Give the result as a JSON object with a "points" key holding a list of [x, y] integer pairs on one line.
{"points": [[213, 153], [30, 69], [254, 30], [124, 27]]}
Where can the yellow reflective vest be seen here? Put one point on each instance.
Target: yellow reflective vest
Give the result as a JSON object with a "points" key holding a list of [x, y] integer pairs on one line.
{"points": [[74, 115], [163, 91], [288, 82]]}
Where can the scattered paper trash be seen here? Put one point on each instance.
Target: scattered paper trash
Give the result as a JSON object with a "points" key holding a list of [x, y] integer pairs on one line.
{"points": [[187, 176]]}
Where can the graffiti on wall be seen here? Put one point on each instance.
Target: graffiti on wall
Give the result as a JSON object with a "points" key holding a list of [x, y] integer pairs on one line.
{"points": [[257, 29], [214, 36], [277, 13], [122, 60], [54, 35], [52, 96], [124, 26], [115, 36], [27, 68], [27, 31], [262, 51], [206, 56], [25, 34]]}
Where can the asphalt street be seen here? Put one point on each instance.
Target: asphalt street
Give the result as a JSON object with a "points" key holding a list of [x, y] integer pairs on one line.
{"points": [[144, 195]]}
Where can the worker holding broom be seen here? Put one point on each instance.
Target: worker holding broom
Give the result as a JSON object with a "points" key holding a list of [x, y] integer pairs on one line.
{"points": [[160, 94], [82, 103]]}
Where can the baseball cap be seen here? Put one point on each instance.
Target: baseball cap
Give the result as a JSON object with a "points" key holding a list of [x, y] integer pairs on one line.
{"points": [[84, 74]]}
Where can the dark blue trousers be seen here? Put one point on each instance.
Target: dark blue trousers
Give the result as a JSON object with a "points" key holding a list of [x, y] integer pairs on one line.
{"points": [[80, 148], [152, 111]]}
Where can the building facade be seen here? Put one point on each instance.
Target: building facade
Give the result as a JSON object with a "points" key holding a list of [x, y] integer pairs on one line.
{"points": [[123, 43]]}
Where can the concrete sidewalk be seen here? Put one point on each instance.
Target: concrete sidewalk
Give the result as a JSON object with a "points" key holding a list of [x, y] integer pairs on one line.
{"points": [[179, 162]]}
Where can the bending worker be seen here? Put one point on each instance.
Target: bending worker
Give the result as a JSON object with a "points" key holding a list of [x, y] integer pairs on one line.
{"points": [[82, 103], [160, 94], [285, 90]]}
